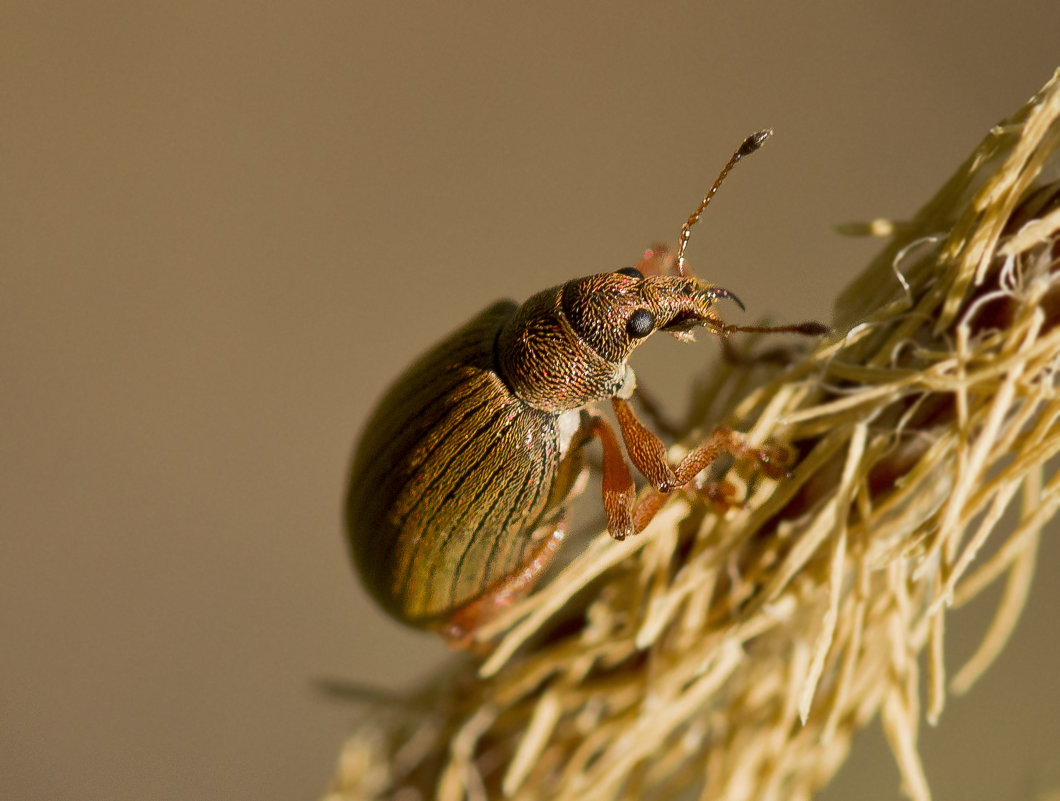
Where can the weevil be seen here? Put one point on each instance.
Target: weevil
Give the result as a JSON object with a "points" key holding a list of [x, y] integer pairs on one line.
{"points": [[458, 488]]}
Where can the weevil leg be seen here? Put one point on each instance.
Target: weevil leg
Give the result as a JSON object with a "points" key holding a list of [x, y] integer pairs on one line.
{"points": [[461, 625], [659, 259], [721, 494], [619, 491], [648, 455]]}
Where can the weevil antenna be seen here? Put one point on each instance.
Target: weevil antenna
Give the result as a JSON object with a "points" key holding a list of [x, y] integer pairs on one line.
{"points": [[749, 146], [810, 329]]}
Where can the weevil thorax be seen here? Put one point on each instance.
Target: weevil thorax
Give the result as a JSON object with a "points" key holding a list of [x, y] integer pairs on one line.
{"points": [[568, 346]]}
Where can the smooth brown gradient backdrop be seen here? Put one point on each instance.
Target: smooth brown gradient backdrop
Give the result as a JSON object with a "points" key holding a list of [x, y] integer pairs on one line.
{"points": [[225, 227]]}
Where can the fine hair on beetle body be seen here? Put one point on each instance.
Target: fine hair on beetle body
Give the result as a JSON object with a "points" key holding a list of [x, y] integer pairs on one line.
{"points": [[459, 485]]}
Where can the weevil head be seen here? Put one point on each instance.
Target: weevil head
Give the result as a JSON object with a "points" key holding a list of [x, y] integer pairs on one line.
{"points": [[568, 346], [613, 313]]}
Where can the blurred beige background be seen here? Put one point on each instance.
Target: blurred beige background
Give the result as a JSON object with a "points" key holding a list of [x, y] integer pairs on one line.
{"points": [[226, 226]]}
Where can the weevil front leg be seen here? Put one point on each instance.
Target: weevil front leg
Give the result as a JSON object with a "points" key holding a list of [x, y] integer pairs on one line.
{"points": [[625, 516], [648, 454]]}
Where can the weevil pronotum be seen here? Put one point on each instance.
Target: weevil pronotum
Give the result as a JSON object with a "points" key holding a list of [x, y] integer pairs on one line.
{"points": [[458, 488]]}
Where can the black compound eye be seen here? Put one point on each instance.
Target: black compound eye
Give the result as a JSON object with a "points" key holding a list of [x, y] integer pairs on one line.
{"points": [[640, 324], [632, 272]]}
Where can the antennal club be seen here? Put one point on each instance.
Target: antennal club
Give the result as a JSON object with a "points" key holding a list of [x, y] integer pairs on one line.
{"points": [[749, 146]]}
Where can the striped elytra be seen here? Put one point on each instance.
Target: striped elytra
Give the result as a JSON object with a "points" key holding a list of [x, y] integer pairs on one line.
{"points": [[450, 475]]}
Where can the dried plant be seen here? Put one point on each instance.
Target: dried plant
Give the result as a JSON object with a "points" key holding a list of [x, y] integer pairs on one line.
{"points": [[733, 655]]}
